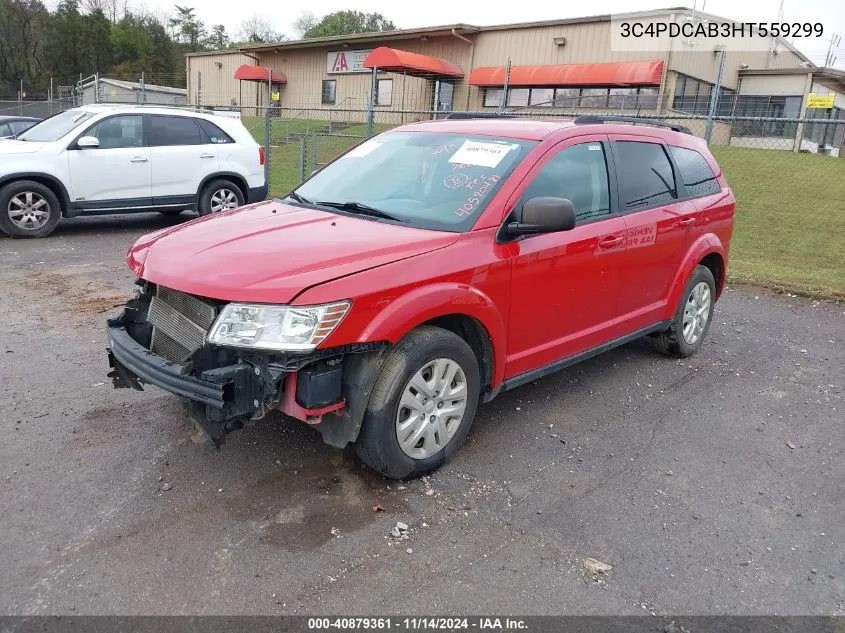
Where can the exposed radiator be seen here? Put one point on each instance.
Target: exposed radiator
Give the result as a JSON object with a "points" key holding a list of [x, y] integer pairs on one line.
{"points": [[180, 322]]}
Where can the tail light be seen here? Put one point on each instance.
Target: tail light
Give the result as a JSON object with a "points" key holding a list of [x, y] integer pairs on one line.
{"points": [[260, 155]]}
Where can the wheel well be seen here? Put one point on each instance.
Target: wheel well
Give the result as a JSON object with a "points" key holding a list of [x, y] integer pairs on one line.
{"points": [[714, 262], [51, 184], [476, 336], [239, 182]]}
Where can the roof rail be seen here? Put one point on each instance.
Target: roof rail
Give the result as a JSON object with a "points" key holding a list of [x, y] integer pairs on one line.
{"points": [[592, 119], [478, 115]]}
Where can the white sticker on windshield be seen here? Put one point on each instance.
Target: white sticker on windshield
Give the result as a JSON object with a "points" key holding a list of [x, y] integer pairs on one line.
{"points": [[364, 148], [481, 154]]}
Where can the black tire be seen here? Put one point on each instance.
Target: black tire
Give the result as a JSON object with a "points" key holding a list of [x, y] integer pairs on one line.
{"points": [[38, 192], [171, 212], [672, 342], [378, 445], [218, 187]]}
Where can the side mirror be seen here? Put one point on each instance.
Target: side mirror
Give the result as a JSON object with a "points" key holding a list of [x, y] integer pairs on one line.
{"points": [[88, 142], [544, 215]]}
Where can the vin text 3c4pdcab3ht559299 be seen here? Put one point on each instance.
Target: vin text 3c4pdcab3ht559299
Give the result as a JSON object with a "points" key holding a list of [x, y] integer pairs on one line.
{"points": [[423, 272]]}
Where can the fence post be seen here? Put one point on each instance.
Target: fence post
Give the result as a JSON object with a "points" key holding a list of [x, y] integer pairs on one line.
{"points": [[267, 135], [371, 107], [313, 160], [714, 96], [301, 158], [503, 104]]}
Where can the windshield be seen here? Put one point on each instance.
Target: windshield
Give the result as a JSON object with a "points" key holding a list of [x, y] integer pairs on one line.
{"points": [[425, 179], [55, 127]]}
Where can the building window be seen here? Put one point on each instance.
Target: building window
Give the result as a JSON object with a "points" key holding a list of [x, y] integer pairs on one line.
{"points": [[329, 92], [492, 97], [692, 95], [594, 98], [647, 98], [384, 92], [567, 97], [766, 107], [542, 97], [622, 98]]}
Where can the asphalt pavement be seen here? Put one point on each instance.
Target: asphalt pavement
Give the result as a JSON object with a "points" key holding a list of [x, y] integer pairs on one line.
{"points": [[712, 485]]}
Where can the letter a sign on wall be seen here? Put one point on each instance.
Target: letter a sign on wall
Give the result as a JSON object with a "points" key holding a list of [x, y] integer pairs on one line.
{"points": [[346, 62]]}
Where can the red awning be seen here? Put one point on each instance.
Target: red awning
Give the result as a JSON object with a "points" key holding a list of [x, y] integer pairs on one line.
{"points": [[615, 74], [246, 72], [394, 60]]}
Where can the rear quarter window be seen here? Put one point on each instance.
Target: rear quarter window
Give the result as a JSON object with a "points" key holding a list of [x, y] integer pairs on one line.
{"points": [[696, 174], [214, 133]]}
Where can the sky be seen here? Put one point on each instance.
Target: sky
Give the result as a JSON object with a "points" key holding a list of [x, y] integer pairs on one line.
{"points": [[486, 12]]}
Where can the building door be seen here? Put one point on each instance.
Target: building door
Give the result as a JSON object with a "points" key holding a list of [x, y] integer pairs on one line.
{"points": [[443, 96]]}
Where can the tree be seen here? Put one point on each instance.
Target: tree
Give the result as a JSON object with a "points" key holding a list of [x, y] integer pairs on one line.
{"points": [[187, 28], [304, 23], [218, 39], [256, 29], [24, 26], [348, 22]]}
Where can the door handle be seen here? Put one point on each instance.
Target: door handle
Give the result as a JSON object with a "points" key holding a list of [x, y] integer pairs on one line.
{"points": [[610, 241], [686, 222], [139, 159], [206, 155]]}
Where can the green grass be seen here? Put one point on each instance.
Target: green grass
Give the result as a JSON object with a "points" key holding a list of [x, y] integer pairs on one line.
{"points": [[789, 230]]}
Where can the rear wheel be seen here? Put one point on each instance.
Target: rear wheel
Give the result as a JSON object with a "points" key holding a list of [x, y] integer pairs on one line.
{"points": [[28, 209], [422, 404], [692, 318], [220, 195]]}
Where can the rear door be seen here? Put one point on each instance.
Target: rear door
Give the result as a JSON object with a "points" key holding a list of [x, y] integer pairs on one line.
{"points": [[659, 227], [182, 156], [565, 285]]}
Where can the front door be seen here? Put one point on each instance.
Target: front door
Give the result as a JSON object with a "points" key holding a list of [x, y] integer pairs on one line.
{"points": [[116, 174], [565, 286]]}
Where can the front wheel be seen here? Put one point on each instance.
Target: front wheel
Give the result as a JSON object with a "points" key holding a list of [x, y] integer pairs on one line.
{"points": [[422, 404], [692, 318], [220, 195], [28, 209]]}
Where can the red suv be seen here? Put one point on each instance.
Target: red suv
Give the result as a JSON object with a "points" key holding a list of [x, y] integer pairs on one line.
{"points": [[427, 269]]}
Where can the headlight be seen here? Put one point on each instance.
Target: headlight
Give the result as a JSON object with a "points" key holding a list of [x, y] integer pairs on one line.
{"points": [[281, 328]]}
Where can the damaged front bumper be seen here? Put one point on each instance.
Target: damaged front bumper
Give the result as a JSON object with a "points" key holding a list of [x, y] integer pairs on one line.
{"points": [[223, 388]]}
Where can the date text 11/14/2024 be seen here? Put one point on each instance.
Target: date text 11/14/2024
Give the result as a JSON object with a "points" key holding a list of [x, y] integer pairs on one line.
{"points": [[418, 624]]}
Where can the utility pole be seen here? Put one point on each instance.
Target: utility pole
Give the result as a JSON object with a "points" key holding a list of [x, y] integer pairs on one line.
{"points": [[830, 58], [714, 95], [504, 102]]}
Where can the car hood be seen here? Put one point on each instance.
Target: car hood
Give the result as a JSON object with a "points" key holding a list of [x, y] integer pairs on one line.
{"points": [[270, 252], [11, 146]]}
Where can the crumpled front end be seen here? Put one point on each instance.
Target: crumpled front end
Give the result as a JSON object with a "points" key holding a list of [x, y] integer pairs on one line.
{"points": [[160, 339]]}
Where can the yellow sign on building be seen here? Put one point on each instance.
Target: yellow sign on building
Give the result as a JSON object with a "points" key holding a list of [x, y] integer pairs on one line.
{"points": [[276, 96], [820, 101]]}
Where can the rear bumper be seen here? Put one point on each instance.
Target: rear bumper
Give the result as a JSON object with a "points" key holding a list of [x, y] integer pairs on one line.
{"points": [[257, 194]]}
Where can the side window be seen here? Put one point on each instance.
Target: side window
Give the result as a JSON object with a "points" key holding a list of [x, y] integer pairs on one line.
{"points": [[215, 134], [174, 130], [119, 131], [578, 173], [328, 93], [698, 178], [645, 174], [20, 126]]}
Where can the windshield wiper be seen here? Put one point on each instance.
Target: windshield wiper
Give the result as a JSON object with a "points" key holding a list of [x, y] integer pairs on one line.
{"points": [[363, 209], [295, 196]]}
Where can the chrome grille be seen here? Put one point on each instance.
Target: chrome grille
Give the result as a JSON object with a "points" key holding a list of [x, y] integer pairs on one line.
{"points": [[180, 322]]}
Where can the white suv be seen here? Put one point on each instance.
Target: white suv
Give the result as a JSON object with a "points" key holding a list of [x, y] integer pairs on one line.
{"points": [[104, 159]]}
